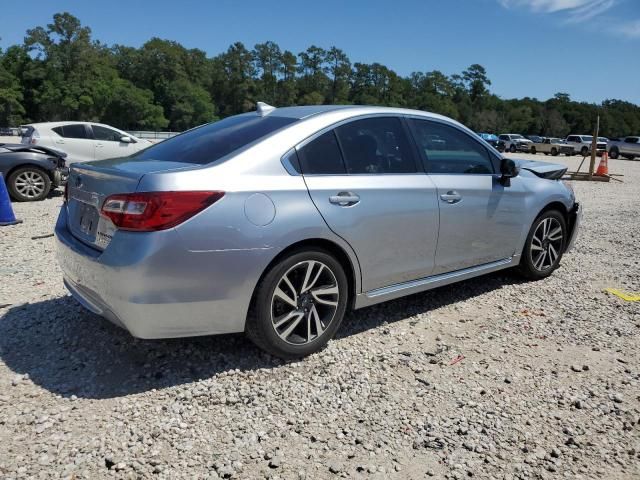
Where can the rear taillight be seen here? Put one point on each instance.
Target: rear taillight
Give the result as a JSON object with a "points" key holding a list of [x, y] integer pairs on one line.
{"points": [[149, 211]]}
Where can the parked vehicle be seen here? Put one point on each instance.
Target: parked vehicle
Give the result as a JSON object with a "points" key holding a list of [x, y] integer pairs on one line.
{"points": [[514, 142], [276, 222], [31, 171], [535, 138], [628, 147], [582, 144], [83, 141], [490, 138], [6, 132], [553, 146]]}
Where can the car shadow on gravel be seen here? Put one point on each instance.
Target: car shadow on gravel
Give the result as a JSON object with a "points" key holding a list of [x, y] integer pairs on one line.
{"points": [[69, 351]]}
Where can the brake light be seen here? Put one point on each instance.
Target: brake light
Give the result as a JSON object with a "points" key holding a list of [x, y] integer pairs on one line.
{"points": [[149, 211]]}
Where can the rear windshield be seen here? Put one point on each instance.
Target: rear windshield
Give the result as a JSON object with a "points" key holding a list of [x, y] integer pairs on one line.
{"points": [[212, 141]]}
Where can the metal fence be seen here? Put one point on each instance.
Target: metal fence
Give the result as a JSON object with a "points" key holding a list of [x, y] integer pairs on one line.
{"points": [[153, 135]]}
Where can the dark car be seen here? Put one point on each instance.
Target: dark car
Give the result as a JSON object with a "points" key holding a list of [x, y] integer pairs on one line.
{"points": [[490, 138], [6, 132], [31, 171]]}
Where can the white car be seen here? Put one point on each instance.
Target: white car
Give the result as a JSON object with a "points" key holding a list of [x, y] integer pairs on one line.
{"points": [[83, 141], [582, 144], [514, 142]]}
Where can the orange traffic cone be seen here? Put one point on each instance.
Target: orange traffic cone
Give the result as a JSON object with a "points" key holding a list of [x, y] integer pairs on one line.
{"points": [[603, 168]]}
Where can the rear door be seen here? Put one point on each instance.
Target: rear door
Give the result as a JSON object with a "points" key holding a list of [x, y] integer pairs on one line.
{"points": [[107, 143], [74, 139], [364, 179], [480, 220]]}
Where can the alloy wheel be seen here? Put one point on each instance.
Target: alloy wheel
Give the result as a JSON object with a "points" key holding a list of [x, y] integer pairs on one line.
{"points": [[304, 302], [546, 244], [30, 184]]}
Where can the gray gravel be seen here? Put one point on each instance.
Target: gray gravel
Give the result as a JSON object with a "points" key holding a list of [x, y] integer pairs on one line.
{"points": [[546, 382]]}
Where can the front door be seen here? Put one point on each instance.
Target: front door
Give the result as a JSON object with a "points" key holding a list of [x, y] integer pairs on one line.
{"points": [[364, 179], [107, 143], [481, 221], [73, 139]]}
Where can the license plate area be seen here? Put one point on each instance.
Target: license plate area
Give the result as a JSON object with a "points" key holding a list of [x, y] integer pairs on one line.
{"points": [[87, 220]]}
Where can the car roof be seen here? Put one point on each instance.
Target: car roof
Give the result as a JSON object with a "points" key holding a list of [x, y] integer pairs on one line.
{"points": [[302, 112], [69, 122]]}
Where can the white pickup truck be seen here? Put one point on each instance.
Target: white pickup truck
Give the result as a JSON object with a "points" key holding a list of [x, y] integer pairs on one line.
{"points": [[628, 147]]}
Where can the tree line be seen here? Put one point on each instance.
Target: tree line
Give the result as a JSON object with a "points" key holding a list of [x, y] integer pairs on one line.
{"points": [[60, 72]]}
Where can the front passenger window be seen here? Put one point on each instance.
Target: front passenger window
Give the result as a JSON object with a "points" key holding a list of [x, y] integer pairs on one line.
{"points": [[103, 133], [449, 150]]}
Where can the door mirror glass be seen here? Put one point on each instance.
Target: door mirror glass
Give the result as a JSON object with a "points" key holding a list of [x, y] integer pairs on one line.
{"points": [[508, 169]]}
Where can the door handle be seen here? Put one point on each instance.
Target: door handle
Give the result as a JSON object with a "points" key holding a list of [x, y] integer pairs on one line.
{"points": [[451, 197], [99, 145], [344, 199]]}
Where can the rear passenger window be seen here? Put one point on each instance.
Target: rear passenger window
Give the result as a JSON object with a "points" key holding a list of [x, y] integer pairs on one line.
{"points": [[322, 156], [377, 146], [71, 131], [449, 150]]}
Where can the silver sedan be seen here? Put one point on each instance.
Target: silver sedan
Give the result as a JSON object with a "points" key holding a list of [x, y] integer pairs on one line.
{"points": [[276, 222]]}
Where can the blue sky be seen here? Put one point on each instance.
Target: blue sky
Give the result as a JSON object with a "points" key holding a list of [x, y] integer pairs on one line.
{"points": [[529, 47]]}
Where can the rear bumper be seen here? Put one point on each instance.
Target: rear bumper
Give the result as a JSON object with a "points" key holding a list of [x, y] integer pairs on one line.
{"points": [[153, 287], [575, 219]]}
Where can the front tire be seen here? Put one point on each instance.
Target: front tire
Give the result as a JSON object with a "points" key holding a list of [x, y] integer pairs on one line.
{"points": [[28, 184], [533, 150], [584, 151], [614, 153], [299, 304], [512, 148], [544, 246], [554, 152]]}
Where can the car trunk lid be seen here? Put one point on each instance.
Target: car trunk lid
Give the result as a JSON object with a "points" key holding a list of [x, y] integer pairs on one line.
{"points": [[89, 184]]}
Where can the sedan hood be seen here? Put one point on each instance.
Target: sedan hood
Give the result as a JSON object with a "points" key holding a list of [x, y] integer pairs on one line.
{"points": [[543, 169]]}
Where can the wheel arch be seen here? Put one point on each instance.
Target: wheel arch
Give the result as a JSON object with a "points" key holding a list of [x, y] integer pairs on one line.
{"points": [[349, 264], [18, 166], [555, 205]]}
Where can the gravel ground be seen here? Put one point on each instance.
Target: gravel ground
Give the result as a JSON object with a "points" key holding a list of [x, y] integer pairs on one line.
{"points": [[546, 382]]}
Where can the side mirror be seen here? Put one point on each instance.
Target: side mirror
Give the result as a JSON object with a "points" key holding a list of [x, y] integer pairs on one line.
{"points": [[126, 139], [508, 169]]}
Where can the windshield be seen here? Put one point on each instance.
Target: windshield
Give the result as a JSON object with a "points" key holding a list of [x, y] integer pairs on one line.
{"points": [[587, 138], [212, 141], [516, 136]]}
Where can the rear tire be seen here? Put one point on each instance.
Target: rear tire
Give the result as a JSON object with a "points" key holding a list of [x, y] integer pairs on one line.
{"points": [[28, 184], [554, 152], [584, 151], [533, 150], [614, 153], [544, 246], [512, 148], [299, 304]]}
